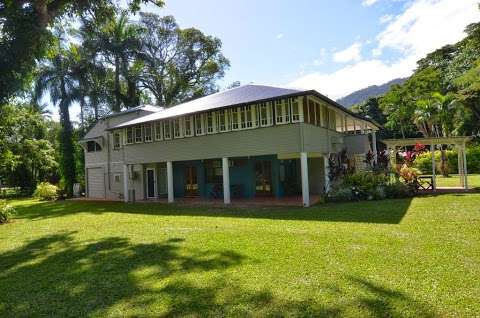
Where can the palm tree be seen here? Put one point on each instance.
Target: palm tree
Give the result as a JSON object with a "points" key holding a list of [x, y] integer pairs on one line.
{"points": [[117, 41], [55, 77]]}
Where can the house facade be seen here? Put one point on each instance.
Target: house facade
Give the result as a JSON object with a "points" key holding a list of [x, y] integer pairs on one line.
{"points": [[247, 142]]}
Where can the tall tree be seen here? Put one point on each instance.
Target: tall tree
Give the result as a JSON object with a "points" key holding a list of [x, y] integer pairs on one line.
{"points": [[178, 64], [26, 33], [56, 78]]}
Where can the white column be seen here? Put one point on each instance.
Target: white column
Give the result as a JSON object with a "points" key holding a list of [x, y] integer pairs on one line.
{"points": [[125, 183], [226, 181], [374, 146], [305, 186], [434, 178], [170, 181], [326, 171], [465, 171], [460, 165]]}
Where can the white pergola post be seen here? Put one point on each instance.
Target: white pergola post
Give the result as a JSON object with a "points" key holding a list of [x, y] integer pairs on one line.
{"points": [[465, 171], [461, 173], [326, 166], [434, 181], [170, 181], [125, 183], [226, 181], [305, 186], [374, 146]]}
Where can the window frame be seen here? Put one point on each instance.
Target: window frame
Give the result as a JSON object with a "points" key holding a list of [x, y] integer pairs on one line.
{"points": [[149, 127], [136, 129], [210, 129], [199, 129], [132, 137], [267, 107], [178, 128], [167, 127], [158, 130], [188, 123], [117, 144], [292, 115]]}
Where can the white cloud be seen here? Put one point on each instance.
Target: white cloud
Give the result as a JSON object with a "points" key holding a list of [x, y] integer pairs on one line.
{"points": [[424, 26], [367, 3], [351, 53], [386, 18], [322, 57], [279, 36]]}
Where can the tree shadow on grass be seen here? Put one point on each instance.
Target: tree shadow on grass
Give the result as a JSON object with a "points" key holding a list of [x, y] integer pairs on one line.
{"points": [[57, 276], [385, 211]]}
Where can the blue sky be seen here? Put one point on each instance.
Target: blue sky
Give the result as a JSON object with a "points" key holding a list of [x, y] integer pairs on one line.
{"points": [[335, 47]]}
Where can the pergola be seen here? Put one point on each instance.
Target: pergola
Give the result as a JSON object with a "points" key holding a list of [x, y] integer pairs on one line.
{"points": [[459, 142]]}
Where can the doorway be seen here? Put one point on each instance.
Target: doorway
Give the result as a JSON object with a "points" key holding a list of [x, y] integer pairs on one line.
{"points": [[191, 181], [263, 178], [151, 183]]}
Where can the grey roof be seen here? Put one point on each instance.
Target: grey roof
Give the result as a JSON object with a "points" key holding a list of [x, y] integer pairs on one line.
{"points": [[147, 108], [241, 95], [236, 96]]}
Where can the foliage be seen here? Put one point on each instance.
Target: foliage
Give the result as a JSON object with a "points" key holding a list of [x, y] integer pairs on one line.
{"points": [[408, 174], [46, 191], [6, 212], [26, 34], [423, 162], [26, 150], [397, 189]]}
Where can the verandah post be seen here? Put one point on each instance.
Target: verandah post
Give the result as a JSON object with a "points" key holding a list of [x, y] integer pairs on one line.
{"points": [[170, 181], [226, 180], [305, 186]]}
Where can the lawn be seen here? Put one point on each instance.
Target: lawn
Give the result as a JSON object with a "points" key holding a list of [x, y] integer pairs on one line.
{"points": [[408, 257], [454, 181]]}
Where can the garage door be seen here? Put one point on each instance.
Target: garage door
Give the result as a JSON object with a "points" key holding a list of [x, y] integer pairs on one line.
{"points": [[96, 183]]}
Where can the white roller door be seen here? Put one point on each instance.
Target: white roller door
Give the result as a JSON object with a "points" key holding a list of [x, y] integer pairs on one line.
{"points": [[96, 183]]}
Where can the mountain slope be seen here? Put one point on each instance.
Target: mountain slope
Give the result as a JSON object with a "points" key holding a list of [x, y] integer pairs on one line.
{"points": [[371, 91]]}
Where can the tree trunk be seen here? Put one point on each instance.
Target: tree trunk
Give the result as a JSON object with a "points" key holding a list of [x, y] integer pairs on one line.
{"points": [[116, 107], [67, 163]]}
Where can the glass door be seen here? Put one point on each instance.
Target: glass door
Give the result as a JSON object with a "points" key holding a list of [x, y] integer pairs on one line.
{"points": [[191, 181], [263, 178]]}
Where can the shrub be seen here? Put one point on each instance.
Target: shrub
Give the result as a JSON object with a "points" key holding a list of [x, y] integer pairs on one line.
{"points": [[423, 161], [46, 191], [6, 212], [341, 194], [398, 190], [409, 174]]}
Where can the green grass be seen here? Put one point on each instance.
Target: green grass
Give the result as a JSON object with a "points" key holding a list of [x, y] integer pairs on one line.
{"points": [[454, 181], [411, 257]]}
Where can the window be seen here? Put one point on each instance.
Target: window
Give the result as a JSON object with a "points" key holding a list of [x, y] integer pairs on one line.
{"points": [[235, 118], [211, 123], [311, 112], [282, 111], [177, 128], [116, 140], [265, 114], [213, 171], [138, 134], [317, 114], [295, 111], [158, 130], [332, 123], [324, 116], [199, 125], [167, 130], [93, 146], [129, 135], [223, 120], [249, 116], [148, 132], [306, 117], [188, 126], [116, 178]]}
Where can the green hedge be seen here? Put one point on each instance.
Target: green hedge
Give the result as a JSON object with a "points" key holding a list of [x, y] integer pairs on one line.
{"points": [[423, 162]]}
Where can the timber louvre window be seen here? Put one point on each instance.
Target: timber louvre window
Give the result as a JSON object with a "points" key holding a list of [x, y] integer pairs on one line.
{"points": [[295, 111], [265, 114], [148, 132], [177, 128], [138, 134], [116, 140], [282, 111], [158, 130], [129, 135], [235, 118], [223, 120], [211, 129], [167, 130], [199, 125], [188, 126]]}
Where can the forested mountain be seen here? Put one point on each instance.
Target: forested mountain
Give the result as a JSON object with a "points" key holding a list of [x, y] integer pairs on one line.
{"points": [[363, 94]]}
